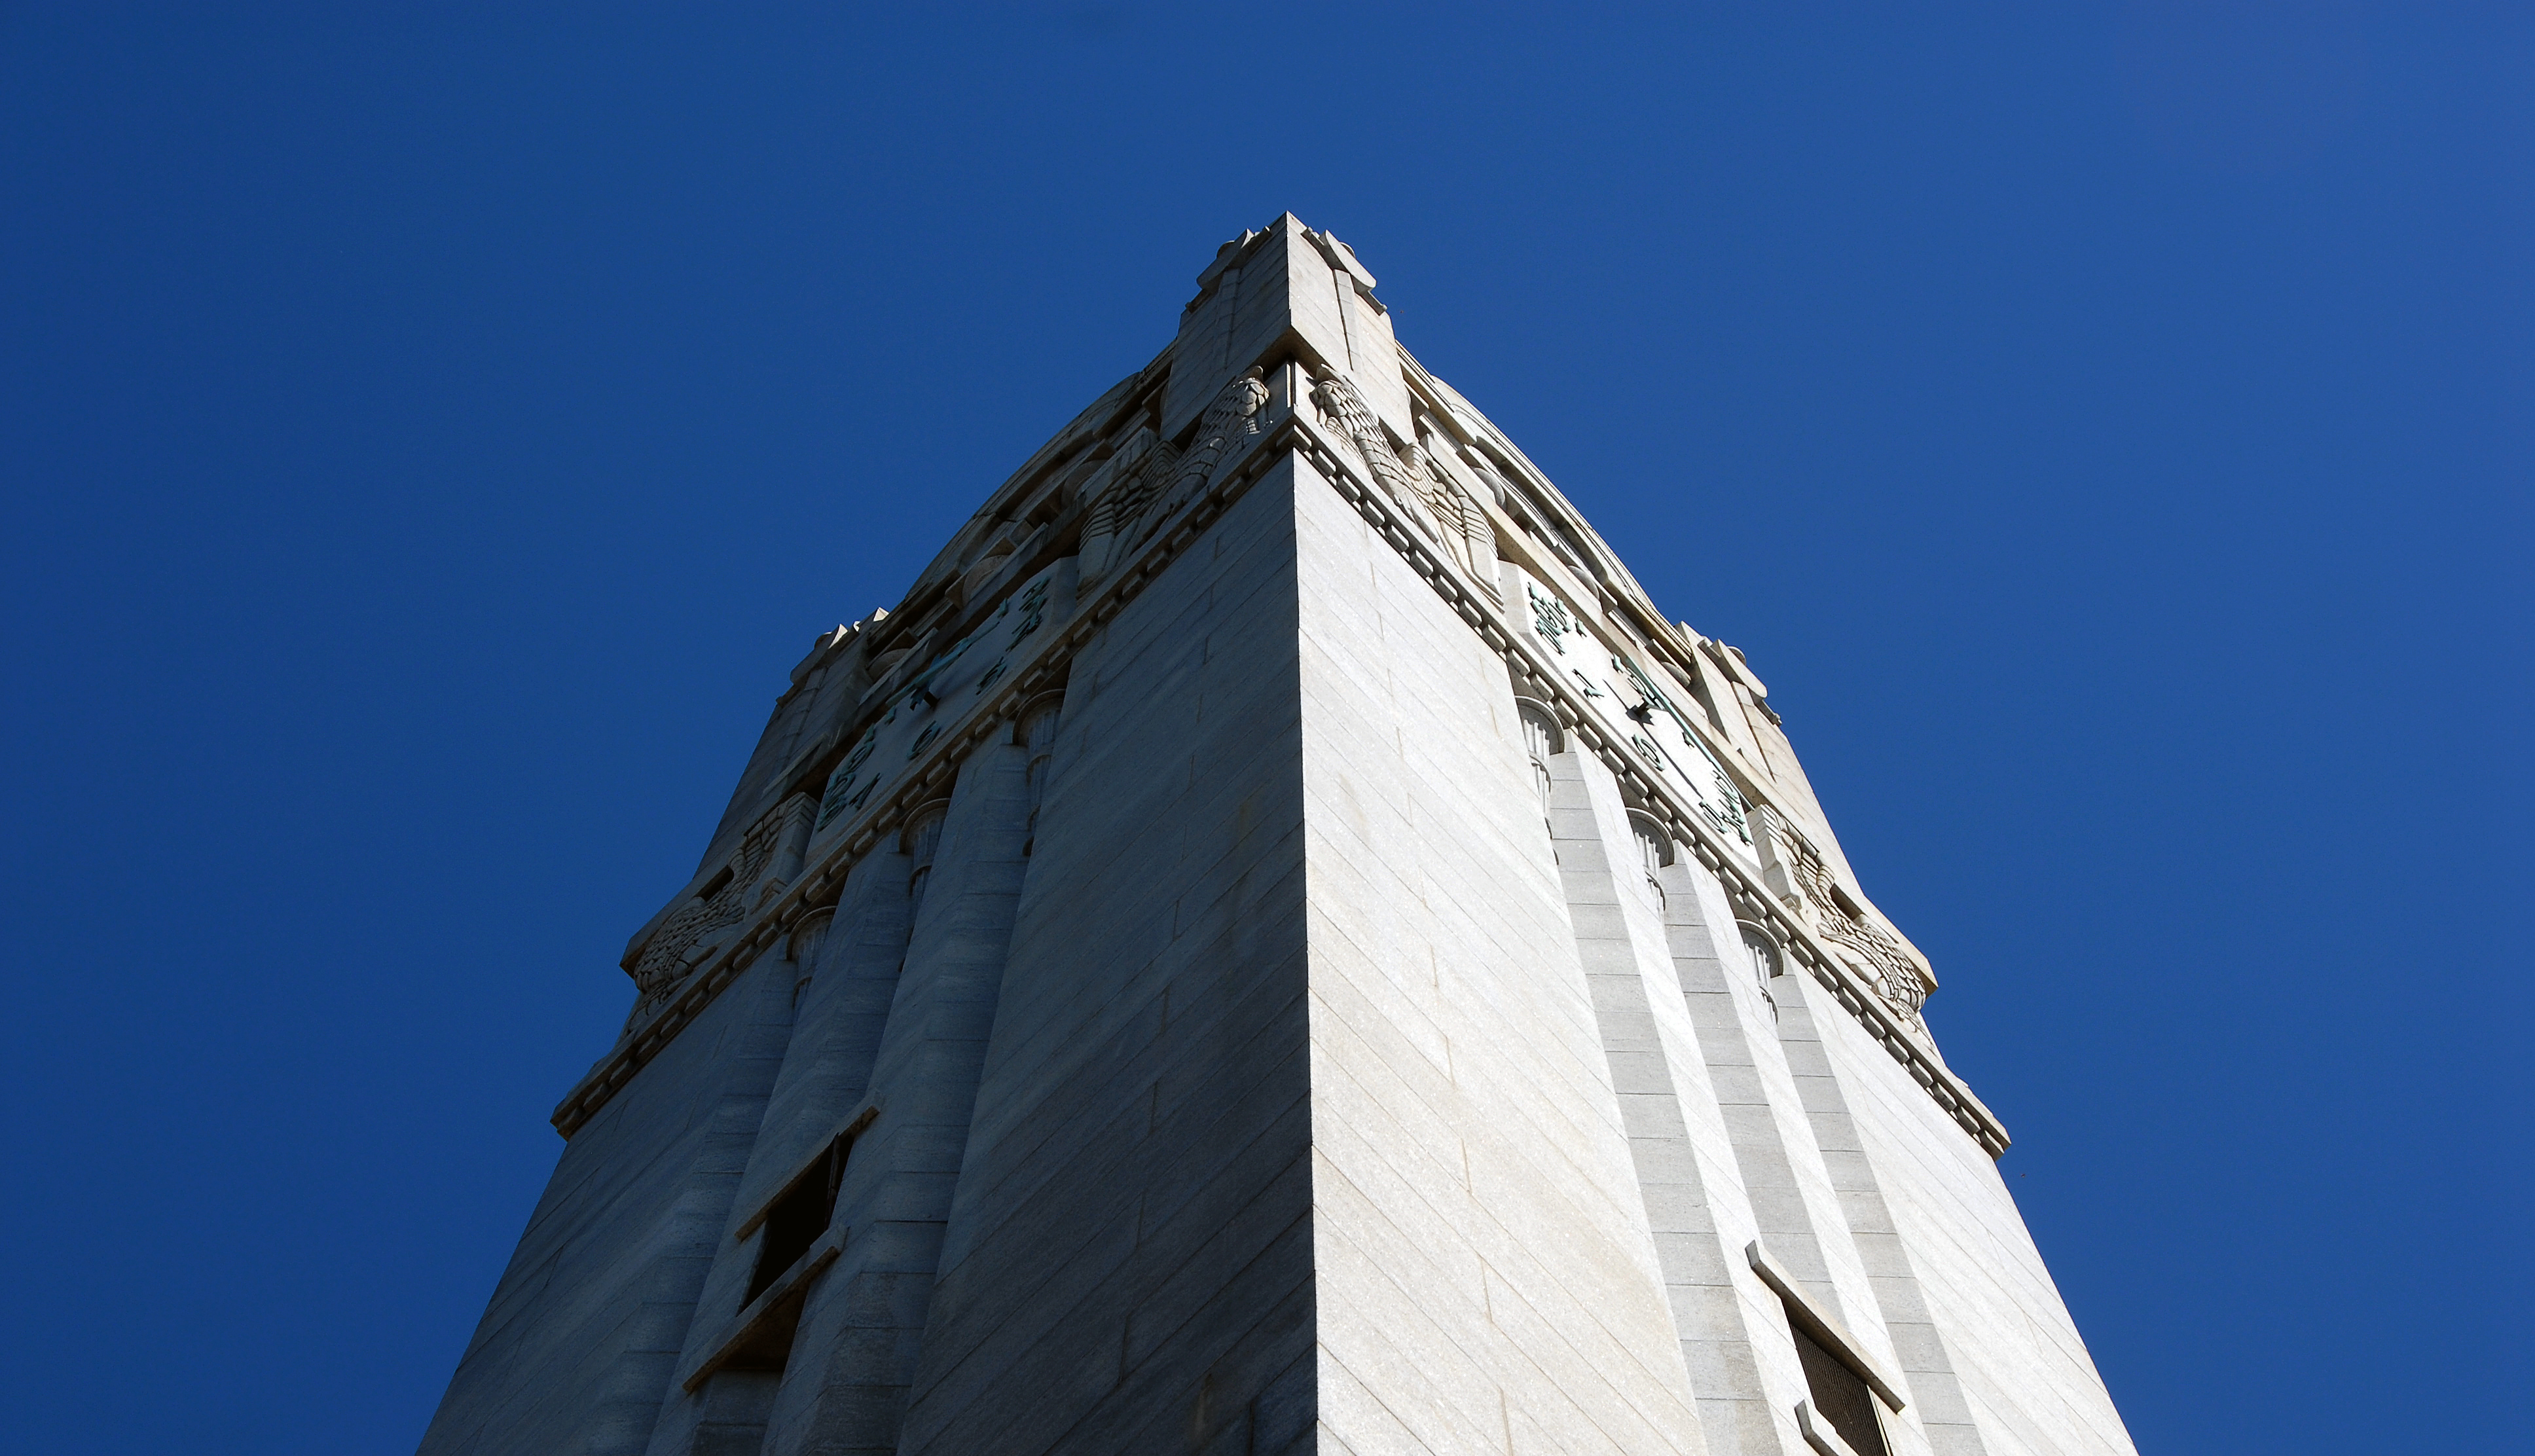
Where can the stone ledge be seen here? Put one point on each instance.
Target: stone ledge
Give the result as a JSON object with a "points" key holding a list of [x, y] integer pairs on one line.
{"points": [[1817, 1432], [1821, 1323], [762, 1313]]}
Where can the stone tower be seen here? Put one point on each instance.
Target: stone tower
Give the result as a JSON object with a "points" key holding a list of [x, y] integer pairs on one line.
{"points": [[1276, 945]]}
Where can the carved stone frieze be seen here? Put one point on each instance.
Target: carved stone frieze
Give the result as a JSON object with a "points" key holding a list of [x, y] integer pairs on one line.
{"points": [[1795, 871], [666, 959], [1468, 534], [1343, 409], [1151, 479], [1135, 478], [1227, 428], [674, 1001], [1833, 949]]}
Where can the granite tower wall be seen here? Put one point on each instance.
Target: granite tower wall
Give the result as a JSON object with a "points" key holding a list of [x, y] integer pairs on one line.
{"points": [[1275, 945]]}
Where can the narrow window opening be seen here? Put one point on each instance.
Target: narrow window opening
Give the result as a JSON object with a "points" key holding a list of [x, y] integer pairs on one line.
{"points": [[1037, 738], [1766, 963], [795, 1220], [786, 1232], [1540, 742], [1654, 850], [923, 838], [1841, 1396], [803, 950]]}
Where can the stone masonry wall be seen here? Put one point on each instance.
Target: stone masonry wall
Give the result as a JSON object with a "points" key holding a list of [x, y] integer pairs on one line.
{"points": [[1129, 1262], [1342, 1055], [1485, 1278], [573, 1353]]}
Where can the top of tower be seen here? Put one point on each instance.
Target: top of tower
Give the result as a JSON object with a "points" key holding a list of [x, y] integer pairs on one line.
{"points": [[1284, 353]]}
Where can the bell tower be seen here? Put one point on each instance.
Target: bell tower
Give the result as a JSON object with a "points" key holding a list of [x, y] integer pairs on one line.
{"points": [[1275, 944]]}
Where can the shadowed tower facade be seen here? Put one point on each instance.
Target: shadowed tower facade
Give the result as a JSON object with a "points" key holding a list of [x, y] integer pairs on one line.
{"points": [[1276, 945]]}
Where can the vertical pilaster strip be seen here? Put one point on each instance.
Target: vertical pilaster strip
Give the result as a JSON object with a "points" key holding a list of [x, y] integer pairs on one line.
{"points": [[1127, 1262], [1794, 1206], [1927, 1369], [678, 1258], [1615, 939], [842, 997], [854, 1356]]}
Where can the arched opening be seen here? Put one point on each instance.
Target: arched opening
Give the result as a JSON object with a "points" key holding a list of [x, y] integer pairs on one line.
{"points": [[1542, 741], [922, 838]]}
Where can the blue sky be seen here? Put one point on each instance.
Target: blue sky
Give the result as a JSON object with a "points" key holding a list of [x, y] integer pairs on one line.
{"points": [[427, 443]]}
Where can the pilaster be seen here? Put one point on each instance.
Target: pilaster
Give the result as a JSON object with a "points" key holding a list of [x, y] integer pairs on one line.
{"points": [[862, 1327]]}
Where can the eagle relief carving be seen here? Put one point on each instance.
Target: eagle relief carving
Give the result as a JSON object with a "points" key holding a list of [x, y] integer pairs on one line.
{"points": [[1135, 478], [1151, 479], [1468, 534], [691, 934], [1797, 873], [1227, 428], [1343, 409]]}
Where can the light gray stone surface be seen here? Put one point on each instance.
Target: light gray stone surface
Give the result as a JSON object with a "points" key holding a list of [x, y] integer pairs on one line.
{"points": [[1480, 1244], [576, 1349], [1127, 1261], [1291, 1051]]}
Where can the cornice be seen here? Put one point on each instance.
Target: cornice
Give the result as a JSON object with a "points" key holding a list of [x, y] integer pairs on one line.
{"points": [[819, 883]]}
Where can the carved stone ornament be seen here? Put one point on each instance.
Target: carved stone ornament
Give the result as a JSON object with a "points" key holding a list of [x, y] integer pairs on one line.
{"points": [[1469, 536], [1227, 428], [1135, 477], [1549, 619], [1868, 947], [1151, 479], [666, 961], [1343, 409]]}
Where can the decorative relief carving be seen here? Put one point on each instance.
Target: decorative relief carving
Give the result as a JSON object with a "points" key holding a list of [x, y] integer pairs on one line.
{"points": [[1796, 872], [1412, 488], [1549, 619], [1151, 479], [1229, 426], [665, 959], [1465, 521], [1135, 477], [1865, 1004]]}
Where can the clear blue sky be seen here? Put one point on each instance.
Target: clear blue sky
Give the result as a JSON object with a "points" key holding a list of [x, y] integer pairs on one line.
{"points": [[428, 443]]}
